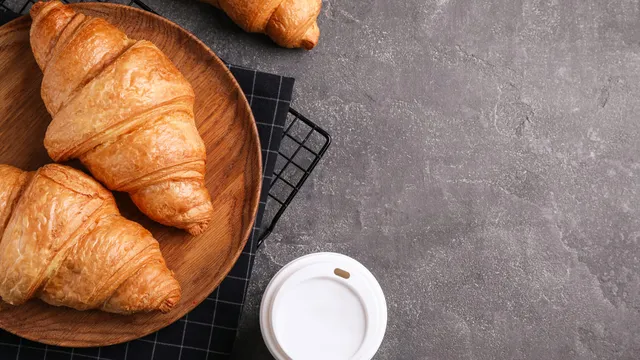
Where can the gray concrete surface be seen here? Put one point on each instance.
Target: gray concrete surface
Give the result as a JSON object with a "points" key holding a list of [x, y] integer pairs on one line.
{"points": [[485, 168]]}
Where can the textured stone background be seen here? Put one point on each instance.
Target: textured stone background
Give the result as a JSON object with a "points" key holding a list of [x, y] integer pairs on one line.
{"points": [[484, 167]]}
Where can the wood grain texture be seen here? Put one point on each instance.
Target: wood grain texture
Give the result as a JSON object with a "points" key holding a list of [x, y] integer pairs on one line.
{"points": [[233, 176]]}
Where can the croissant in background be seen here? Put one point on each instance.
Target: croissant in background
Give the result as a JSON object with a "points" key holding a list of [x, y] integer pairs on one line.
{"points": [[123, 109], [290, 23], [64, 241]]}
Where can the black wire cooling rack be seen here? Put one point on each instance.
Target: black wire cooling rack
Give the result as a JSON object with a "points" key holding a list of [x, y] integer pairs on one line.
{"points": [[303, 142], [303, 145]]}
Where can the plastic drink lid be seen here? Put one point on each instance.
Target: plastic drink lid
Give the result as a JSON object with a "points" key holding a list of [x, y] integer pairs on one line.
{"points": [[323, 306]]}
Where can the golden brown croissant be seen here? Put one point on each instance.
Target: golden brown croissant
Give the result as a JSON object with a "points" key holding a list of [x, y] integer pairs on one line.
{"points": [[123, 109], [64, 241], [290, 23]]}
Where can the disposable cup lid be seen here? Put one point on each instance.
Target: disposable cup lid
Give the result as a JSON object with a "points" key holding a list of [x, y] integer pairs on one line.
{"points": [[323, 306]]}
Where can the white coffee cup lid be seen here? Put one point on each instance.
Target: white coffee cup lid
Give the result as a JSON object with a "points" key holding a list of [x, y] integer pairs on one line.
{"points": [[323, 306]]}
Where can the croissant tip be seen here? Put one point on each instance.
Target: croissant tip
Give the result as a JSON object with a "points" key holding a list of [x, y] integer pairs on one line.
{"points": [[307, 45], [171, 301], [36, 9], [197, 228], [310, 37]]}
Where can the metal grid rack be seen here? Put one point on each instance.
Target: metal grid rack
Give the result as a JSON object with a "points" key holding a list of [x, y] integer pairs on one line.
{"points": [[303, 142], [303, 145]]}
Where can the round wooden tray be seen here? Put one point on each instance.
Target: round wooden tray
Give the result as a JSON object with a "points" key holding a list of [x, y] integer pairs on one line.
{"points": [[233, 176]]}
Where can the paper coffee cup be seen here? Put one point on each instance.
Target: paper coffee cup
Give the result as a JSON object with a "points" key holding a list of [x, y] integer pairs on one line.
{"points": [[323, 306]]}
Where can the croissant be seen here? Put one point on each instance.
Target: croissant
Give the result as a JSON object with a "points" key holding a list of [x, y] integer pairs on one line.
{"points": [[290, 23], [64, 241], [123, 109]]}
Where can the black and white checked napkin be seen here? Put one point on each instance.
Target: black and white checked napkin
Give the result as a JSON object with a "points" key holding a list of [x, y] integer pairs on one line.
{"points": [[208, 332]]}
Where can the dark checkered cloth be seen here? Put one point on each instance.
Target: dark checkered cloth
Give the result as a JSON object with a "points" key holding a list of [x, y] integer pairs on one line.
{"points": [[209, 331]]}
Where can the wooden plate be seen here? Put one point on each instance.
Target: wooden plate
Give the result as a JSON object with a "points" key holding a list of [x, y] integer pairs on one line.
{"points": [[233, 177]]}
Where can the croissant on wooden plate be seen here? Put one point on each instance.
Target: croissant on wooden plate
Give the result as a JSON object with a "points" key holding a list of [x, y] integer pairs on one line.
{"points": [[122, 108], [64, 241], [290, 23]]}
